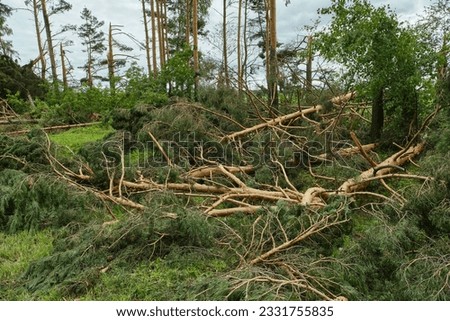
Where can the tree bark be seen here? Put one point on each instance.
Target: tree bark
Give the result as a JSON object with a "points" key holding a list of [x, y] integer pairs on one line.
{"points": [[273, 63], [147, 38], [160, 20], [309, 60], [63, 66], [50, 43], [154, 23], [225, 46], [239, 54], [110, 60], [195, 45], [39, 39]]}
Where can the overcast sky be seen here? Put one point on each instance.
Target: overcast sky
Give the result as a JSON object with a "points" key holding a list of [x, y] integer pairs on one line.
{"points": [[291, 19]]}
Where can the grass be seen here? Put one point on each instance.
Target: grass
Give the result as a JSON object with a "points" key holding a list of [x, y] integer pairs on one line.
{"points": [[75, 138], [17, 251]]}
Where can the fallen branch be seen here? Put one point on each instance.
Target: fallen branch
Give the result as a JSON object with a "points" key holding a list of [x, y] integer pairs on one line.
{"points": [[317, 227], [208, 171], [169, 162], [241, 192], [384, 168], [273, 122], [47, 129]]}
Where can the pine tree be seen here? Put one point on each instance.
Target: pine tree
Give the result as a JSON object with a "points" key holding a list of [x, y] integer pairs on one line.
{"points": [[5, 45], [94, 41]]}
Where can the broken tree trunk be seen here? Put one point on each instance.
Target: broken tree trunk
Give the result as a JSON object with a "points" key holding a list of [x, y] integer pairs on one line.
{"points": [[273, 122], [315, 196], [385, 167], [279, 120]]}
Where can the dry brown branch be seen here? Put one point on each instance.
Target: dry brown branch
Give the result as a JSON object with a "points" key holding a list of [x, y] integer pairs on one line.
{"points": [[234, 210], [317, 227], [273, 122], [169, 162], [362, 150], [345, 152], [209, 171], [384, 168], [246, 192]]}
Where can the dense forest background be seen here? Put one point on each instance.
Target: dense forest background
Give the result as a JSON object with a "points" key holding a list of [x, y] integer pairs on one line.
{"points": [[182, 178]]}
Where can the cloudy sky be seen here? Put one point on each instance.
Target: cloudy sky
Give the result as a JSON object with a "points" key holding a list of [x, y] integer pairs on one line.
{"points": [[291, 19]]}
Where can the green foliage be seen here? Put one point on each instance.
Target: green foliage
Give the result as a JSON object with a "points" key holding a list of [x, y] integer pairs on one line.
{"points": [[78, 105], [139, 89], [385, 61], [93, 39], [15, 79], [33, 202], [83, 250], [180, 276], [227, 102], [23, 153], [178, 74]]}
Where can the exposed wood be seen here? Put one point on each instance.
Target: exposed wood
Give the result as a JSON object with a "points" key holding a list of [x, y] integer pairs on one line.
{"points": [[247, 192], [208, 171], [169, 162], [273, 122], [362, 150], [47, 129], [339, 100], [387, 166], [63, 66], [49, 42], [39, 38], [345, 152]]}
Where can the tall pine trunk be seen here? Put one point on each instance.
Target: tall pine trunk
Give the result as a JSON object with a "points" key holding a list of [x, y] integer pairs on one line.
{"points": [[50, 44], [39, 39], [272, 59], [195, 39], [63, 66], [110, 60], [154, 23], [225, 46], [147, 38]]}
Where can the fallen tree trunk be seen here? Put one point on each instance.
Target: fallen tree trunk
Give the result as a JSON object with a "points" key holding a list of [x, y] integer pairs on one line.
{"points": [[208, 171], [384, 168], [242, 192], [273, 122], [279, 120], [315, 196], [51, 128]]}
